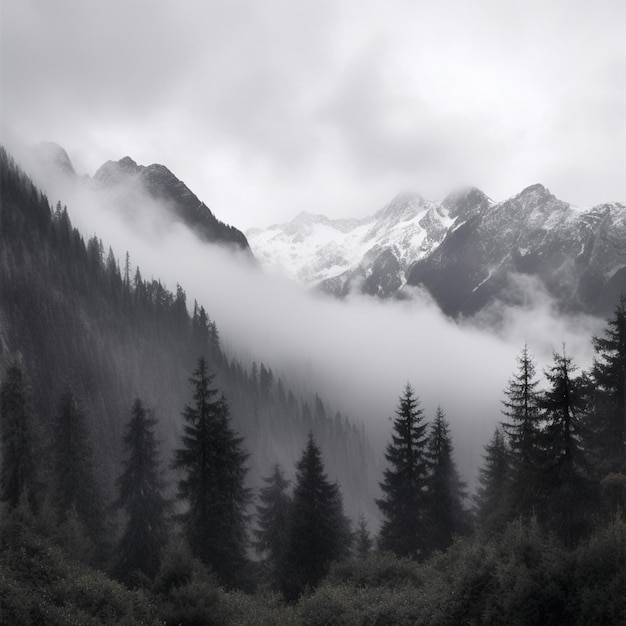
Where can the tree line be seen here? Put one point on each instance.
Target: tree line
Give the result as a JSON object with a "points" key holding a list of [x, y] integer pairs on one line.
{"points": [[559, 456], [70, 306], [298, 535]]}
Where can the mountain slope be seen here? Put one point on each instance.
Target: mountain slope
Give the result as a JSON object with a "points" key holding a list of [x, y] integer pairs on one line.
{"points": [[74, 318], [466, 251], [373, 252], [578, 257], [125, 185]]}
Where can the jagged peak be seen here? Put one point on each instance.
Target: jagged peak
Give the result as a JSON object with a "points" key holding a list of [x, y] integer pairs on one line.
{"points": [[113, 172], [400, 204], [466, 201], [536, 190], [51, 153], [157, 168]]}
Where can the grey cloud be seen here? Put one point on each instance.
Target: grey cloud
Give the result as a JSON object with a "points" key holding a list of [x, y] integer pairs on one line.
{"points": [[270, 108]]}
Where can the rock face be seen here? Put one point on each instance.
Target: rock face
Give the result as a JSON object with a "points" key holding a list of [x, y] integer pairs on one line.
{"points": [[126, 182], [579, 257], [370, 254], [159, 182], [466, 251]]}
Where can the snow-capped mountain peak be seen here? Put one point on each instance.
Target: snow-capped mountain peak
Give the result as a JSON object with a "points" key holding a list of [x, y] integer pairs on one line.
{"points": [[332, 253], [466, 250]]}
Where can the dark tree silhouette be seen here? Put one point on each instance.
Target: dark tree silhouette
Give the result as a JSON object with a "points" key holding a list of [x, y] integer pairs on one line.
{"points": [[493, 480], [273, 515], [141, 497], [524, 436], [569, 498], [319, 532], [447, 516], [75, 487], [363, 538], [609, 411], [405, 501], [18, 473], [213, 464]]}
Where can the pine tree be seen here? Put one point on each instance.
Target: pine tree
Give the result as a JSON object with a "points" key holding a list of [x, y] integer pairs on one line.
{"points": [[273, 515], [75, 484], [404, 502], [18, 473], [492, 506], [609, 377], [213, 464], [446, 491], [524, 436], [319, 531], [141, 497], [566, 474], [363, 538]]}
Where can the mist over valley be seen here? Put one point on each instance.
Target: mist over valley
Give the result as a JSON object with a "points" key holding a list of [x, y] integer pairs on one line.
{"points": [[312, 313]]}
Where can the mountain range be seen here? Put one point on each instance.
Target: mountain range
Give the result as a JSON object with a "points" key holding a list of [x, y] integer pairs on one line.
{"points": [[127, 184], [467, 251], [73, 317]]}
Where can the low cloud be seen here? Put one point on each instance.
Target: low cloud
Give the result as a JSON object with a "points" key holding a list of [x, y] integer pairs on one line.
{"points": [[358, 353]]}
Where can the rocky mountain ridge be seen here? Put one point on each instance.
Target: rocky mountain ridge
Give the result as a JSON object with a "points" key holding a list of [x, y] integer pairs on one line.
{"points": [[123, 180], [467, 250]]}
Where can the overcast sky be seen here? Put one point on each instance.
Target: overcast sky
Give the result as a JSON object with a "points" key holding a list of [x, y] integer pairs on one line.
{"points": [[268, 108]]}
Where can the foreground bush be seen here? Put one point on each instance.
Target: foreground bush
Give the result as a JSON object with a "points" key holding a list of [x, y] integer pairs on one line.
{"points": [[40, 584]]}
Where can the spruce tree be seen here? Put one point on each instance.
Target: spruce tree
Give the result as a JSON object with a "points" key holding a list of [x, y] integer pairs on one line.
{"points": [[609, 411], [566, 473], [75, 484], [19, 472], [363, 538], [141, 497], [273, 515], [446, 491], [319, 531], [492, 506], [524, 436], [213, 463], [404, 502]]}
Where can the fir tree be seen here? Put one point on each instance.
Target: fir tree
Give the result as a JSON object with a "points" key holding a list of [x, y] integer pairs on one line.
{"points": [[75, 484], [212, 461], [319, 532], [141, 497], [273, 515], [363, 538], [493, 481], [446, 491], [566, 473], [404, 500], [18, 473], [609, 377], [524, 436]]}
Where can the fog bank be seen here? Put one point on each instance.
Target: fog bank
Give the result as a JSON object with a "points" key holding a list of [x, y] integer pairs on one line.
{"points": [[357, 353]]}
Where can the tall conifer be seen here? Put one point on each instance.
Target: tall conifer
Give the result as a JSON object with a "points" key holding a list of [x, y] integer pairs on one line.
{"points": [[273, 516], [609, 377], [566, 473], [75, 483], [141, 497], [213, 464], [446, 491], [18, 472], [524, 435], [404, 502], [319, 532], [492, 505]]}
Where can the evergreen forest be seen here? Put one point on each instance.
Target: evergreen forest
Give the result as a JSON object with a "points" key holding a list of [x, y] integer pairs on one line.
{"points": [[148, 477]]}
